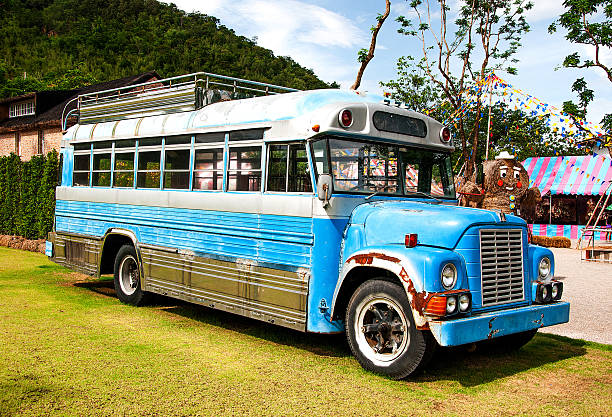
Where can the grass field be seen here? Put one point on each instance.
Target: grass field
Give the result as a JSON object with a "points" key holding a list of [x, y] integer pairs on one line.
{"points": [[69, 347]]}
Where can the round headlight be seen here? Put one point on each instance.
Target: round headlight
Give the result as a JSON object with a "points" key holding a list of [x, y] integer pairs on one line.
{"points": [[544, 267], [544, 292], [449, 276], [554, 291], [464, 302], [451, 305]]}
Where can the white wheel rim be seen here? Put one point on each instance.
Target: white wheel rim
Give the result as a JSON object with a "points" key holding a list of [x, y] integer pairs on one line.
{"points": [[381, 329], [128, 275]]}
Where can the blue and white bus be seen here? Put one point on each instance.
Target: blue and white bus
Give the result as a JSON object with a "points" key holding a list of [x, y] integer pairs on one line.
{"points": [[323, 211]]}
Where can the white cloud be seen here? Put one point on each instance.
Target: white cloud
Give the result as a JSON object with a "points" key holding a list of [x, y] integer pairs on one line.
{"points": [[545, 10], [307, 33], [279, 24]]}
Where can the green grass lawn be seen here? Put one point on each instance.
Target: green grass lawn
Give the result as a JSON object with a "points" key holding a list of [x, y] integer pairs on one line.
{"points": [[69, 347]]}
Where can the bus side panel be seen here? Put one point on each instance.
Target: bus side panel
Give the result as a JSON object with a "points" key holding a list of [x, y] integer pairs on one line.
{"points": [[325, 267], [252, 264]]}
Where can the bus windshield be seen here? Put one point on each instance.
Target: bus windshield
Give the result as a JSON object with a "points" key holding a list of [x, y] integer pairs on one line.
{"points": [[367, 167]]}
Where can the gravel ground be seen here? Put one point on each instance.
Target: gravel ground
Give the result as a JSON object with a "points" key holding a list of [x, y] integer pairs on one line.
{"points": [[588, 287]]}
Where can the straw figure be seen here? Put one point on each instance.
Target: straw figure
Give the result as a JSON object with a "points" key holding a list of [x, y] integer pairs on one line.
{"points": [[505, 188]]}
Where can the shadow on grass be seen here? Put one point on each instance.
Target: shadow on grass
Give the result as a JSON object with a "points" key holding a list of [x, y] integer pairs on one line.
{"points": [[487, 363], [103, 286], [469, 368]]}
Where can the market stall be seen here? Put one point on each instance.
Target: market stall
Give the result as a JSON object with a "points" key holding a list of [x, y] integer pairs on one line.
{"points": [[570, 188]]}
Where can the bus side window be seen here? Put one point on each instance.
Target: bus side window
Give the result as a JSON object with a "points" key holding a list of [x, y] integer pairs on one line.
{"points": [[149, 172], [244, 172], [208, 170], [101, 170], [124, 170], [80, 173], [176, 169], [288, 169]]}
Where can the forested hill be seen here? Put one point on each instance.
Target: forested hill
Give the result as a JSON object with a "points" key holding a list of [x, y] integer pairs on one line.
{"points": [[108, 39]]}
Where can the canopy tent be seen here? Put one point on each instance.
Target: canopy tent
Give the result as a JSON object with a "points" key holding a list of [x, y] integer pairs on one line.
{"points": [[580, 175]]}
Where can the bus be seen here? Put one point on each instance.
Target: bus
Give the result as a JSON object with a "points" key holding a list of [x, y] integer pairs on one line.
{"points": [[323, 211]]}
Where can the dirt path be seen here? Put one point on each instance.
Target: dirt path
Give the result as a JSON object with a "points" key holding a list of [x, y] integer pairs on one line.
{"points": [[588, 287]]}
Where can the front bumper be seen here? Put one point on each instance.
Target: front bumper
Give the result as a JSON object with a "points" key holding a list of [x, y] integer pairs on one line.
{"points": [[492, 324]]}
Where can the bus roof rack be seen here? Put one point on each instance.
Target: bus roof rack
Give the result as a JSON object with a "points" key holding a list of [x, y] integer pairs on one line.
{"points": [[169, 95]]}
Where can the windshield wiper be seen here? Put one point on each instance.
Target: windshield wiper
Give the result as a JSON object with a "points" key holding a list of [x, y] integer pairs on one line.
{"points": [[378, 190], [421, 193]]}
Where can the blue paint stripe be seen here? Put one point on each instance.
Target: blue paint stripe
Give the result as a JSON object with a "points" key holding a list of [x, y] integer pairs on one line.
{"points": [[267, 238]]}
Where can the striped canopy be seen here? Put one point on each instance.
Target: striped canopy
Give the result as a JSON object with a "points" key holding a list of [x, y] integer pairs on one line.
{"points": [[584, 175]]}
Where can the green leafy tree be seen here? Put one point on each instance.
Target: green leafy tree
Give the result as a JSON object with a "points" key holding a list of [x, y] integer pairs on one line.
{"points": [[486, 38], [45, 198], [414, 87], [588, 22], [27, 195], [524, 135], [10, 180], [109, 39]]}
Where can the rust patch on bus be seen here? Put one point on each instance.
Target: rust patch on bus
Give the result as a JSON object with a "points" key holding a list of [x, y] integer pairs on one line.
{"points": [[540, 321], [404, 275], [367, 258], [492, 332], [419, 299]]}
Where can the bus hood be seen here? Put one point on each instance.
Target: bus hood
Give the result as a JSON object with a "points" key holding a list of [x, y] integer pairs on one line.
{"points": [[387, 222]]}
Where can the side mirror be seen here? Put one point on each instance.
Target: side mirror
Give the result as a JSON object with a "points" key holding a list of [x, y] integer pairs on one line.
{"points": [[480, 174], [325, 188]]}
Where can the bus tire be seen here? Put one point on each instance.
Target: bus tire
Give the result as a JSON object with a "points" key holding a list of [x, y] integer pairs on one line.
{"points": [[127, 277], [381, 331]]}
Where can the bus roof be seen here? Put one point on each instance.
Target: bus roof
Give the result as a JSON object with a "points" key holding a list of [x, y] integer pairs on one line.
{"points": [[294, 115]]}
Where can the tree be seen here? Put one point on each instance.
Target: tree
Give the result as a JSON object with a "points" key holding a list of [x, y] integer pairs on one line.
{"points": [[486, 37], [588, 22], [413, 87], [366, 55]]}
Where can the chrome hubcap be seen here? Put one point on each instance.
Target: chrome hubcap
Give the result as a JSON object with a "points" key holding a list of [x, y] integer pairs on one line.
{"points": [[128, 275], [381, 329]]}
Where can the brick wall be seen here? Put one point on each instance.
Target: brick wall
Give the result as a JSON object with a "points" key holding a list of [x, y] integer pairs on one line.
{"points": [[28, 145], [7, 143], [53, 138], [29, 142]]}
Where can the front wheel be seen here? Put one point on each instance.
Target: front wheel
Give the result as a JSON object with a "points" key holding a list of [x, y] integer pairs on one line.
{"points": [[127, 277], [381, 331]]}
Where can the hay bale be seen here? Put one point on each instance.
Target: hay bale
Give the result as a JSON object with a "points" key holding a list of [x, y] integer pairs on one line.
{"points": [[551, 242], [18, 242]]}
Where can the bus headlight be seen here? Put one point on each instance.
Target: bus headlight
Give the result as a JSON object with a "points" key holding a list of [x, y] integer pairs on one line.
{"points": [[464, 302], [449, 276], [544, 268], [556, 291], [451, 304]]}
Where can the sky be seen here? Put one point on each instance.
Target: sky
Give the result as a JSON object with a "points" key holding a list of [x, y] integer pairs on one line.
{"points": [[326, 36]]}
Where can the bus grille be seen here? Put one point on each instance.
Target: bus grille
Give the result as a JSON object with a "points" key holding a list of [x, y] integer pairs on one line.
{"points": [[501, 260]]}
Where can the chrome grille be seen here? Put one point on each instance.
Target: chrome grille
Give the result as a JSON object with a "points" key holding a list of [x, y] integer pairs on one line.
{"points": [[501, 266]]}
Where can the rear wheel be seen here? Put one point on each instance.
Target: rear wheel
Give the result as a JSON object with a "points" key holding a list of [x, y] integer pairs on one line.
{"points": [[381, 331], [127, 277]]}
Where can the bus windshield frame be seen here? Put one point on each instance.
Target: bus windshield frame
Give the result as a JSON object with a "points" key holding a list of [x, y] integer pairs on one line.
{"points": [[366, 167]]}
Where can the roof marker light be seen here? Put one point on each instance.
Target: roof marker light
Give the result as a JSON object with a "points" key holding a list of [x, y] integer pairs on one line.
{"points": [[445, 134], [345, 117]]}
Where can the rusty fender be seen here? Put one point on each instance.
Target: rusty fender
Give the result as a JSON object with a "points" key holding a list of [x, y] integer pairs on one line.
{"points": [[403, 269]]}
